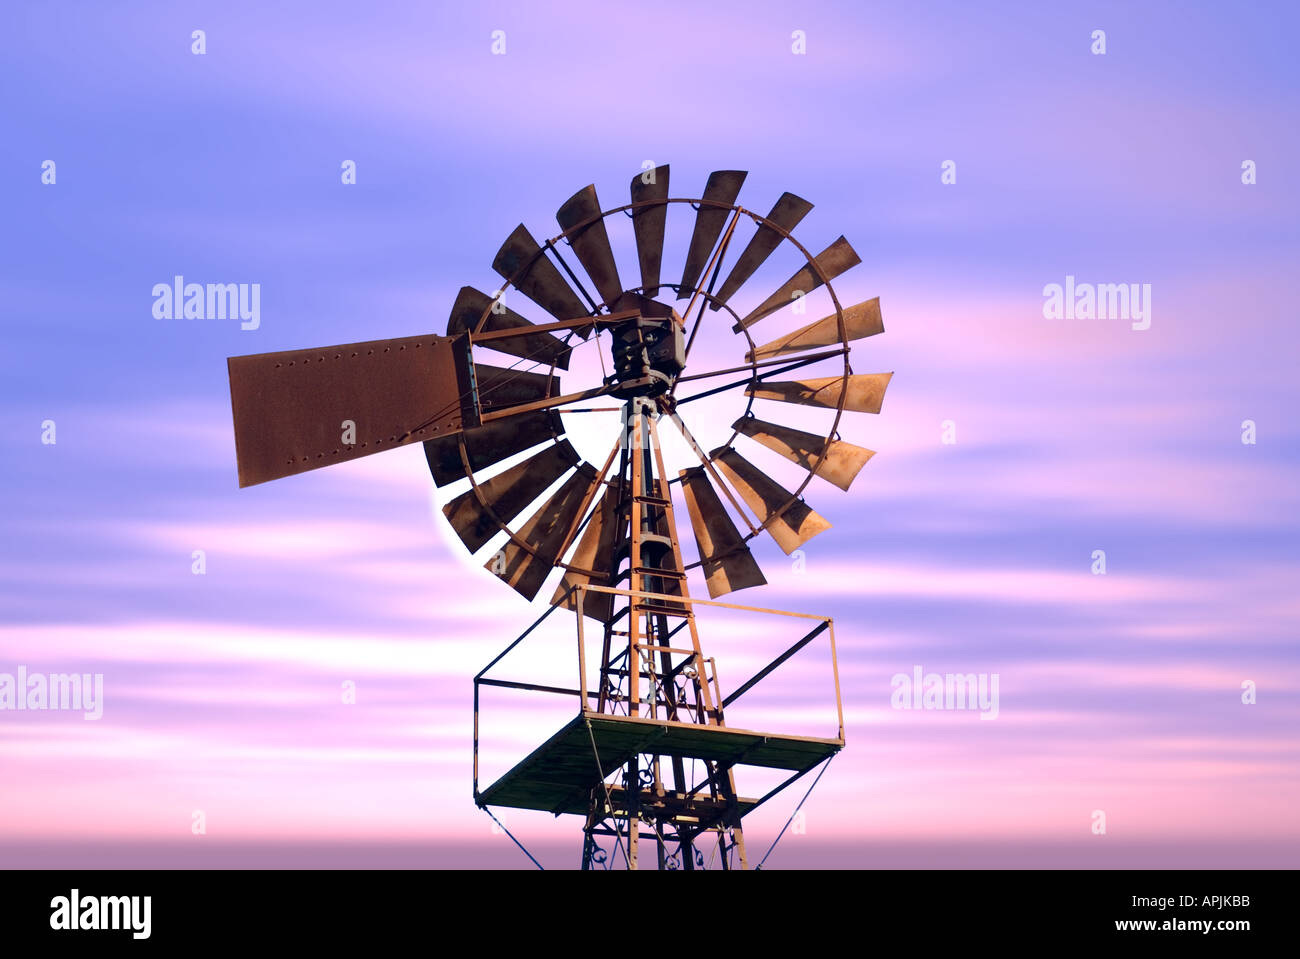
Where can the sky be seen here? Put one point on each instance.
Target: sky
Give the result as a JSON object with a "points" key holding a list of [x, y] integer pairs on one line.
{"points": [[1011, 447]]}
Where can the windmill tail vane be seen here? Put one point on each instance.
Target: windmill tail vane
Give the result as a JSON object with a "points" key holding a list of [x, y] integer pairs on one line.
{"points": [[647, 756]]}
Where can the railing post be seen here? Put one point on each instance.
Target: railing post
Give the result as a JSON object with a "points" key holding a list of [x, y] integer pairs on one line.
{"points": [[582, 652], [476, 737], [835, 668]]}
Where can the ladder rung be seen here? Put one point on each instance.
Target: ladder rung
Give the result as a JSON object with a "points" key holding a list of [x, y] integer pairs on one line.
{"points": [[657, 609], [646, 501], [652, 571]]}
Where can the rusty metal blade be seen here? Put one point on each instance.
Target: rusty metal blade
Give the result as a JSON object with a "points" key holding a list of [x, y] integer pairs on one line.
{"points": [[542, 347], [546, 532], [793, 527], [479, 514], [522, 263], [292, 409], [866, 391], [860, 320], [723, 187], [786, 214], [489, 444], [833, 260], [837, 462], [499, 388], [648, 224], [727, 563], [591, 244], [645, 306], [595, 552]]}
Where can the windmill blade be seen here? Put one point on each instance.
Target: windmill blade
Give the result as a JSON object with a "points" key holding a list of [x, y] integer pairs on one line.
{"points": [[727, 563], [648, 224], [833, 261], [521, 262], [591, 244], [861, 320], [292, 409], [479, 514], [786, 214], [499, 388], [595, 552], [469, 308], [723, 187], [546, 532], [837, 462], [865, 393], [645, 306], [793, 527], [489, 444]]}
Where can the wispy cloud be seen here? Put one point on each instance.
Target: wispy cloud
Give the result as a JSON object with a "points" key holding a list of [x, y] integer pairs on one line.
{"points": [[224, 691]]}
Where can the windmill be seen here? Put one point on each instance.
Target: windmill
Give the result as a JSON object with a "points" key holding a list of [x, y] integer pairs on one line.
{"points": [[649, 756]]}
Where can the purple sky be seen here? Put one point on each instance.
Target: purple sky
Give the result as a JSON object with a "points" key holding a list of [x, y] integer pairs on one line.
{"points": [[1120, 693]]}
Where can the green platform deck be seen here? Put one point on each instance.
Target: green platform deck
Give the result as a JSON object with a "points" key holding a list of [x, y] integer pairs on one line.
{"points": [[558, 776]]}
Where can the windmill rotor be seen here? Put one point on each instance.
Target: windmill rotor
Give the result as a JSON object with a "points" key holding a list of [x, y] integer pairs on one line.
{"points": [[495, 435], [582, 222]]}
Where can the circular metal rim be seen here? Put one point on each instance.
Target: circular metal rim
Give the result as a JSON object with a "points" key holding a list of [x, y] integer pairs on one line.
{"points": [[761, 221]]}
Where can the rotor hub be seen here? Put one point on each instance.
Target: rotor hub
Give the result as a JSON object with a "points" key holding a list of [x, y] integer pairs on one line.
{"points": [[649, 354]]}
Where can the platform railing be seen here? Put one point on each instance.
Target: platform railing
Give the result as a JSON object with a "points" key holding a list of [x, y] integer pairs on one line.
{"points": [[579, 593], [824, 624]]}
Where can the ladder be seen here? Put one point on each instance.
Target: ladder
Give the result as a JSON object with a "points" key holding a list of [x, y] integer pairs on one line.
{"points": [[643, 674]]}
